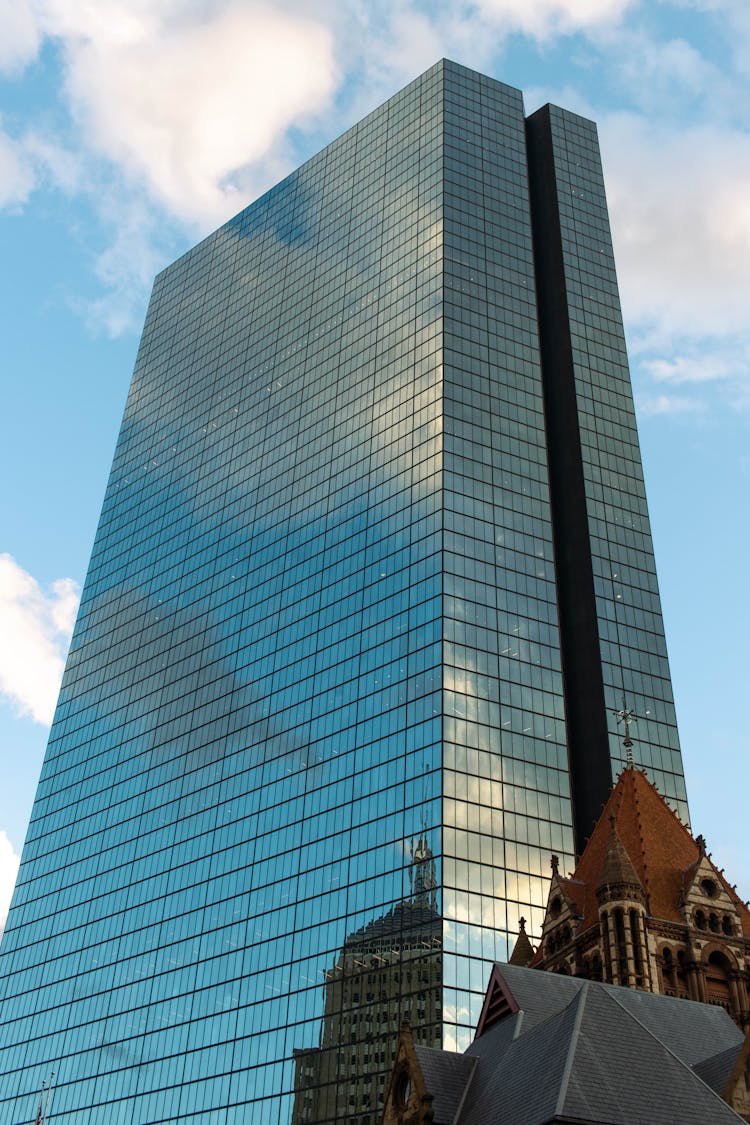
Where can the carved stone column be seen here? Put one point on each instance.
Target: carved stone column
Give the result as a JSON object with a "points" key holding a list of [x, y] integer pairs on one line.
{"points": [[614, 957], [629, 954]]}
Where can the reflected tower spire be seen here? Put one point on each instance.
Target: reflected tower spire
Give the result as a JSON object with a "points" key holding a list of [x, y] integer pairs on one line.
{"points": [[423, 877]]}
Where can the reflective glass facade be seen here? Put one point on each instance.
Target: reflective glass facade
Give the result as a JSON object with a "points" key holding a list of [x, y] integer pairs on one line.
{"points": [[316, 737]]}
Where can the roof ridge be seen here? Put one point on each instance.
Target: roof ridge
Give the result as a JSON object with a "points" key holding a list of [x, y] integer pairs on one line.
{"points": [[655, 789], [462, 1099], [580, 1000], [641, 838], [687, 832], [609, 991]]}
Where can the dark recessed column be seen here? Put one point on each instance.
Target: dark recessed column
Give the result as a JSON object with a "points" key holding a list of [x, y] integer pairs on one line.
{"points": [[588, 747]]}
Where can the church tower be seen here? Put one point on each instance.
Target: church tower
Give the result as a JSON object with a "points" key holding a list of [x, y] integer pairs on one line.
{"points": [[646, 907]]}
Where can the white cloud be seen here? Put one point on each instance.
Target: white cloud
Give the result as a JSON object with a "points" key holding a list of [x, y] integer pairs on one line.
{"points": [[133, 253], [20, 39], [703, 368], [9, 862], [52, 162], [180, 97], [653, 405], [544, 18], [35, 630], [183, 105], [680, 210], [16, 172], [669, 76], [194, 99], [191, 105]]}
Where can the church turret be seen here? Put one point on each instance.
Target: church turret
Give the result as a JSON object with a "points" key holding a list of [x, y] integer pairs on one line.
{"points": [[523, 950], [622, 916], [646, 907]]}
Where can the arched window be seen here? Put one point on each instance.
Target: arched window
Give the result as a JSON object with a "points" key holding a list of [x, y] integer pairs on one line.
{"points": [[605, 946], [635, 937], [622, 955], [669, 981], [717, 969]]}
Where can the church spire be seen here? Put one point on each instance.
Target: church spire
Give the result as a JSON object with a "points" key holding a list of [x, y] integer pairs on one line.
{"points": [[523, 950], [626, 716]]}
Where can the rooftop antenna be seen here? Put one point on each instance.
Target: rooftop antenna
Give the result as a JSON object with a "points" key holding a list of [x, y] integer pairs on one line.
{"points": [[627, 716]]}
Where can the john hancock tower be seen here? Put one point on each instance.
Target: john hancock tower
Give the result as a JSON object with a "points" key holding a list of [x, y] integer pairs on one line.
{"points": [[373, 576]]}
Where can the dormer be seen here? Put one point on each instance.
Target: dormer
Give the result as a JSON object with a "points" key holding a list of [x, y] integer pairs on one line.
{"points": [[708, 905], [562, 915]]}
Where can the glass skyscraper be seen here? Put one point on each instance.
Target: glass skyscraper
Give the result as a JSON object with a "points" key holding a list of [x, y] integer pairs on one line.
{"points": [[372, 578]]}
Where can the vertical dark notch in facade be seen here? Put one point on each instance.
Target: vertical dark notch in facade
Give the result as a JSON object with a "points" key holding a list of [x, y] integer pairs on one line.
{"points": [[585, 707]]}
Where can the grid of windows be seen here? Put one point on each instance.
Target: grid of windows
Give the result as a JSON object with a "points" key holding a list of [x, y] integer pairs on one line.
{"points": [[309, 759], [248, 734], [506, 801]]}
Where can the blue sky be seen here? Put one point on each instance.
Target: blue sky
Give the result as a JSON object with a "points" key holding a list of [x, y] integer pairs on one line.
{"points": [[129, 129]]}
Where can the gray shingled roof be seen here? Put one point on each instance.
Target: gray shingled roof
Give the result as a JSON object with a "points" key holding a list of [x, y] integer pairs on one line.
{"points": [[446, 1076], [522, 1085], [689, 1029], [715, 1071], [587, 1052]]}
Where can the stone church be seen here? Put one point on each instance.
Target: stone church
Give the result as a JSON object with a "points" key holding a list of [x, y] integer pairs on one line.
{"points": [[646, 907], [642, 1013]]}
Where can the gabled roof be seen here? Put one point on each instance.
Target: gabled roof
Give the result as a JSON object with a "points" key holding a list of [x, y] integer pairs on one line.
{"points": [[499, 1002], [692, 1031], [447, 1076], [658, 845], [582, 1051], [594, 1062], [575, 892]]}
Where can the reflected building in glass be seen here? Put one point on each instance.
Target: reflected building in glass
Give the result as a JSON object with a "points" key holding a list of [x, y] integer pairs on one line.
{"points": [[373, 565], [387, 972]]}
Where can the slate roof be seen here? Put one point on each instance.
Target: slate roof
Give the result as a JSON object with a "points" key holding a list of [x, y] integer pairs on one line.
{"points": [[447, 1076], [690, 1030], [586, 1052], [716, 1071]]}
